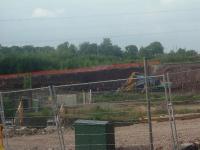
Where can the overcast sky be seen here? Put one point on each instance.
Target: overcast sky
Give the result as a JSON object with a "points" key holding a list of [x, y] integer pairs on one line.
{"points": [[175, 23]]}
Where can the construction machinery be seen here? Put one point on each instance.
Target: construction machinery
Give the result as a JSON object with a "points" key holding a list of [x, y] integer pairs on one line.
{"points": [[130, 83], [136, 82]]}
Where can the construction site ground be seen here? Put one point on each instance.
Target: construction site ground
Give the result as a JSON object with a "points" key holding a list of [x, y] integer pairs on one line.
{"points": [[129, 137]]}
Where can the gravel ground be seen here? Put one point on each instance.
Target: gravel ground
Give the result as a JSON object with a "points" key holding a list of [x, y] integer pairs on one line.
{"points": [[133, 137]]}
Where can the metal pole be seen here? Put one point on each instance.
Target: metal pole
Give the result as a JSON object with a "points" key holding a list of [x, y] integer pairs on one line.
{"points": [[173, 117], [84, 97], [90, 96], [3, 121], [57, 118], [148, 104], [169, 112]]}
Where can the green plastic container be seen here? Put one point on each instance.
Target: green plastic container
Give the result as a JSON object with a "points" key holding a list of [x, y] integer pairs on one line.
{"points": [[94, 135]]}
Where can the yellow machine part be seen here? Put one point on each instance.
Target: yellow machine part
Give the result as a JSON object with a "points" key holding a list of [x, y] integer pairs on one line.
{"points": [[1, 138], [130, 83], [1, 147]]}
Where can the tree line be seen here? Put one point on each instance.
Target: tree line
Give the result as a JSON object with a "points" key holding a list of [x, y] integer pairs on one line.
{"points": [[18, 59]]}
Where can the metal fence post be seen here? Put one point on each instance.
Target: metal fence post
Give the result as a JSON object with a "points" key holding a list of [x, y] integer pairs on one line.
{"points": [[90, 96], [148, 104], [168, 110], [3, 121], [172, 113], [57, 117], [84, 97]]}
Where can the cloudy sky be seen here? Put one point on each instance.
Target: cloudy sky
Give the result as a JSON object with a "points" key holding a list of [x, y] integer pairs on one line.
{"points": [[175, 23]]}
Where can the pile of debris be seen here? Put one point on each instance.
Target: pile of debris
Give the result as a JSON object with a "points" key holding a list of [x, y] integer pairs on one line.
{"points": [[25, 131]]}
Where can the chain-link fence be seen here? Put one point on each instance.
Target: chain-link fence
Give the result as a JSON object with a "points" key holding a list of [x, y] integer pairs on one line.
{"points": [[44, 118], [121, 102], [30, 119], [185, 97]]}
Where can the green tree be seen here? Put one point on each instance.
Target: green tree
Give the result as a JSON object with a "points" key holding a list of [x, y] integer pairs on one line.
{"points": [[17, 59], [156, 48], [107, 48], [192, 53], [88, 49], [181, 51], [131, 51], [145, 52], [152, 50], [66, 50]]}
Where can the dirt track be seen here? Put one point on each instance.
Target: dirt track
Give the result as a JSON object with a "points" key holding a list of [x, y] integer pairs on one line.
{"points": [[130, 136]]}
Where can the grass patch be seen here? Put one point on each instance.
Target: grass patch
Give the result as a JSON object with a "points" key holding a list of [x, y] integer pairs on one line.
{"points": [[42, 112], [186, 97], [125, 96], [185, 111]]}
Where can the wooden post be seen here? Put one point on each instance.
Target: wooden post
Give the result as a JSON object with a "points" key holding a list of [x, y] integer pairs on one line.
{"points": [[148, 104]]}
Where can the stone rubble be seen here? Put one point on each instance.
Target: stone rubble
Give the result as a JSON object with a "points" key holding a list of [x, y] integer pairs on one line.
{"points": [[25, 131]]}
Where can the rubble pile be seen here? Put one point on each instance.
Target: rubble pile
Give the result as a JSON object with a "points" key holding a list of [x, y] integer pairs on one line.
{"points": [[25, 131]]}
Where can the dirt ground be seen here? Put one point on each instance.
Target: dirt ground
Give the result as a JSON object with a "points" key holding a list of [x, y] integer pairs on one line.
{"points": [[129, 137]]}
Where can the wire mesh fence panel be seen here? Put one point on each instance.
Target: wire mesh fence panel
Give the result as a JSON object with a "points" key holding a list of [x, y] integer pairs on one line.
{"points": [[121, 102], [185, 96], [67, 116], [30, 120], [162, 139]]}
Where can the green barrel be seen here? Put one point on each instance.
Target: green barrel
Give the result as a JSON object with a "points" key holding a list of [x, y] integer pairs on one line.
{"points": [[94, 135]]}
